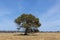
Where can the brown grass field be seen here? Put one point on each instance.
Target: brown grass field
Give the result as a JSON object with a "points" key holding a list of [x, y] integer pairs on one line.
{"points": [[33, 36]]}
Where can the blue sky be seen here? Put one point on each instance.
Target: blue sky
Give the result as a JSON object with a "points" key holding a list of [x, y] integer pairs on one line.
{"points": [[48, 11]]}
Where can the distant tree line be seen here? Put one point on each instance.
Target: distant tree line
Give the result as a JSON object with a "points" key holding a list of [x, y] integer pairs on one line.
{"points": [[23, 31]]}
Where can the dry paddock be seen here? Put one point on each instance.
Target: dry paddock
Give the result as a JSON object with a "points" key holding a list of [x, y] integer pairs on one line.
{"points": [[31, 36]]}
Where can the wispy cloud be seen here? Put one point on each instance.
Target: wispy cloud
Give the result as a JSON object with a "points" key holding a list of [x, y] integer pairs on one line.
{"points": [[51, 11], [50, 19], [7, 24], [3, 13]]}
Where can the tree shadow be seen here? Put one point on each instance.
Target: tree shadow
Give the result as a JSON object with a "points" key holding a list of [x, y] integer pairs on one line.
{"points": [[20, 35], [25, 35]]}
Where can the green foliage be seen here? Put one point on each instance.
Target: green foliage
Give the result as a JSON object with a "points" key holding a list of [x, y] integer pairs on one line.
{"points": [[28, 20]]}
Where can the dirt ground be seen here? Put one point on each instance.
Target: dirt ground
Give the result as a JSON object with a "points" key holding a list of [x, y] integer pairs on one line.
{"points": [[33, 36]]}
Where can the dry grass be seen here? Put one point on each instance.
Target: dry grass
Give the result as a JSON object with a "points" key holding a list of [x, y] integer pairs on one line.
{"points": [[37, 36]]}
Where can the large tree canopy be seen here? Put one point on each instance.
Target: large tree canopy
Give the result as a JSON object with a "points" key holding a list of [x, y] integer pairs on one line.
{"points": [[28, 21]]}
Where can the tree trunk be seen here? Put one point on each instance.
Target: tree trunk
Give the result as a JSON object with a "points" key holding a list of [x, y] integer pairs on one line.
{"points": [[26, 31]]}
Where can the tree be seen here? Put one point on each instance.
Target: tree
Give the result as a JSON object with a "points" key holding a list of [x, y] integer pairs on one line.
{"points": [[28, 21], [33, 30], [18, 29]]}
